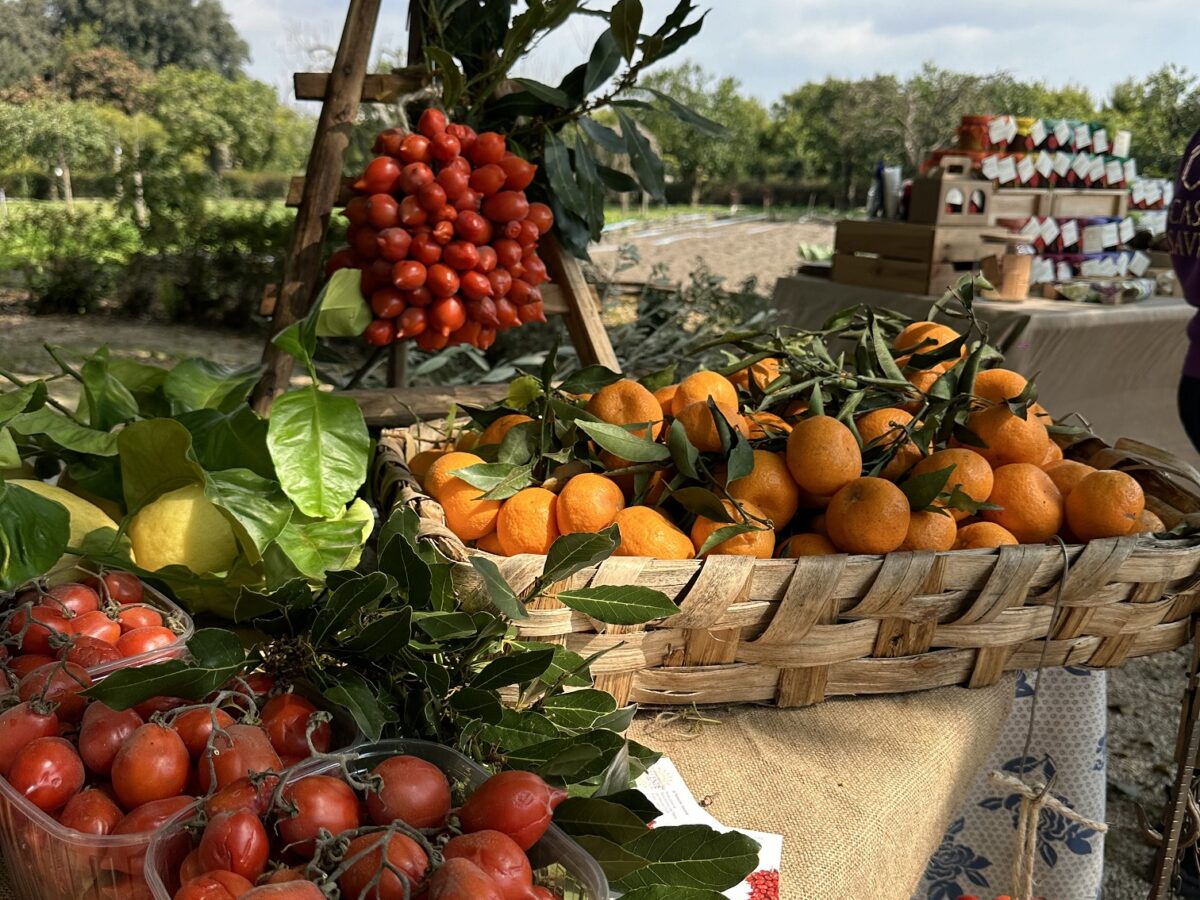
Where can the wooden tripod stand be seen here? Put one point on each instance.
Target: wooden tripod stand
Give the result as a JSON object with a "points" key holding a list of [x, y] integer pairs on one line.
{"points": [[322, 188]]}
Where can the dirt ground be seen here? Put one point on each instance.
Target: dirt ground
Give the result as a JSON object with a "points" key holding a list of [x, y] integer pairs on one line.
{"points": [[1143, 697]]}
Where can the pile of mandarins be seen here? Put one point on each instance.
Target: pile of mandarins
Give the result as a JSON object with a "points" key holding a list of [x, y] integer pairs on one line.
{"points": [[811, 497]]}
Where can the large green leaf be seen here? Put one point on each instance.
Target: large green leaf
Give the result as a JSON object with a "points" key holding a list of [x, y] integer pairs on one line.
{"points": [[203, 384], [626, 19], [500, 592], [517, 668], [645, 162], [602, 818], [22, 399], [320, 447], [562, 176], [690, 856], [498, 480], [64, 433], [517, 730], [34, 532], [234, 440], [10, 456], [156, 457], [619, 605], [315, 547], [603, 63], [602, 135], [578, 709], [690, 116], [623, 443], [370, 712], [109, 402], [572, 553], [347, 600], [343, 312], [259, 507]]}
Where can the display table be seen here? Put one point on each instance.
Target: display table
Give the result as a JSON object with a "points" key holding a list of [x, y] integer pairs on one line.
{"points": [[1117, 366]]}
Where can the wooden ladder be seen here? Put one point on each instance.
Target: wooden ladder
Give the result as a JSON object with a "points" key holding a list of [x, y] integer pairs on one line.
{"points": [[322, 188]]}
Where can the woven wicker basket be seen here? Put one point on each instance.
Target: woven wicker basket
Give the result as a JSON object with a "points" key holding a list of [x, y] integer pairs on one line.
{"points": [[797, 631]]}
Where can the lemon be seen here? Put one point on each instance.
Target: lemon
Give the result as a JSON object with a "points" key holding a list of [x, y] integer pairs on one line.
{"points": [[85, 517], [183, 528]]}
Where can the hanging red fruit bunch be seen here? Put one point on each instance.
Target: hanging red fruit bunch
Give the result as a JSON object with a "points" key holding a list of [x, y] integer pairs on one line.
{"points": [[445, 237]]}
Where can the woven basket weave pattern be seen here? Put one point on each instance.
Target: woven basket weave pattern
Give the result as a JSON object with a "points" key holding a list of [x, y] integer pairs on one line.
{"points": [[797, 631]]}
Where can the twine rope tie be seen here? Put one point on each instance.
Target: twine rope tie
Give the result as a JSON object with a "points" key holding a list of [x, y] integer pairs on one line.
{"points": [[1037, 797]]}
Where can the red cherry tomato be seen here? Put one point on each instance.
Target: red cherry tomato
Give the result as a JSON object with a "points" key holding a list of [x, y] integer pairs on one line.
{"points": [[299, 890], [96, 624], [383, 211], [520, 292], [432, 122], [387, 303], [467, 334], [518, 804], [432, 197], [470, 226], [285, 719], [356, 211], [506, 314], [393, 243], [489, 148], [487, 180], [144, 640], [342, 258], [408, 275], [411, 213], [243, 750], [153, 764], [528, 236], [415, 176], [416, 149], [102, 733], [432, 340], [318, 801], [420, 297], [236, 842], [453, 181], [443, 232], [541, 216], [445, 147], [446, 214], [412, 322], [475, 285], [365, 241], [148, 817], [159, 705], [461, 879], [21, 725], [244, 793], [404, 855], [483, 311], [447, 314], [507, 206], [412, 790], [71, 599], [462, 255], [196, 725], [535, 271], [442, 281], [380, 176], [90, 652], [47, 772], [123, 587], [508, 252], [190, 868], [487, 259], [217, 885], [468, 201], [389, 136], [131, 617], [500, 281], [58, 682], [498, 856], [91, 812], [42, 623], [23, 665], [465, 134], [425, 249], [532, 312], [520, 172]]}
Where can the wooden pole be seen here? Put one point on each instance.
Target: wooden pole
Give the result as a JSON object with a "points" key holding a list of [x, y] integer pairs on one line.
{"points": [[323, 177]]}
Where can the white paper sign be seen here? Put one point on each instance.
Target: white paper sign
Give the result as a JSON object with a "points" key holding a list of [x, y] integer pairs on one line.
{"points": [[1096, 170], [1065, 272], [1130, 166], [1006, 170], [1138, 192], [1093, 239], [1045, 164], [1154, 222], [1083, 136], [1111, 235], [1120, 145], [1114, 172], [1091, 268], [1070, 233], [1037, 132], [1154, 193], [998, 129], [1100, 141], [1081, 165], [1032, 228], [1025, 170], [990, 167], [1139, 263], [1062, 163], [1049, 231], [1062, 133], [1125, 231], [1043, 270]]}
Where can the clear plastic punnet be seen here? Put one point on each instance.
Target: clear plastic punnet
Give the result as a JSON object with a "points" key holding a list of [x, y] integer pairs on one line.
{"points": [[559, 863]]}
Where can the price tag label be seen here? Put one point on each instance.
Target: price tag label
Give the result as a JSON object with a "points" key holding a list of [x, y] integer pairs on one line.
{"points": [[1139, 263], [1037, 132], [1121, 143], [990, 167], [1064, 271], [1081, 165], [1137, 193], [1044, 164], [1049, 232], [1032, 228], [1062, 163], [1062, 133], [1154, 193], [1096, 170], [1025, 170], [1093, 239], [998, 129], [1083, 137], [1114, 172], [1006, 170], [1125, 231], [1111, 235], [1100, 141], [1130, 167], [1122, 264], [1070, 233], [1043, 270], [1091, 268]]}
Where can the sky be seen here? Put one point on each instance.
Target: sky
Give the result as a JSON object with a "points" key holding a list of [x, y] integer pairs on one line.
{"points": [[772, 46]]}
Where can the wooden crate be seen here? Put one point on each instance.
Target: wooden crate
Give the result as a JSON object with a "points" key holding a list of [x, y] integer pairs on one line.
{"points": [[899, 256], [1071, 204], [1013, 203]]}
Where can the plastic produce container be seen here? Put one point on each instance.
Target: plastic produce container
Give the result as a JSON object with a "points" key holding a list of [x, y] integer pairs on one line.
{"points": [[174, 617], [559, 863], [46, 861]]}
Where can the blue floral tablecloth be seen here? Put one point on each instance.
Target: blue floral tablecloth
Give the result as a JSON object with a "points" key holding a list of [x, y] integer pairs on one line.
{"points": [[1068, 745]]}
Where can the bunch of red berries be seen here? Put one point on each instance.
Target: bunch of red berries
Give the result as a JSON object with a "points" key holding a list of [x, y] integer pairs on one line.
{"points": [[445, 237]]}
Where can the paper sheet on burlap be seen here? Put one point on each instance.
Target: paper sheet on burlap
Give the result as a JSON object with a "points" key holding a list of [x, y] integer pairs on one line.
{"points": [[861, 789]]}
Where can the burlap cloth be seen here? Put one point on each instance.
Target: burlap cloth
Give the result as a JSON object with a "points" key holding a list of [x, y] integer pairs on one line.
{"points": [[861, 789]]}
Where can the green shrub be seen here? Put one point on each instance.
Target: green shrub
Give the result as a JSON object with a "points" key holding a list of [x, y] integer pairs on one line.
{"points": [[71, 260], [256, 185]]}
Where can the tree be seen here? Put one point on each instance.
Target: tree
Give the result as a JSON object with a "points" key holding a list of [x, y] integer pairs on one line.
{"points": [[1161, 111], [700, 158], [58, 135], [26, 42], [190, 34]]}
